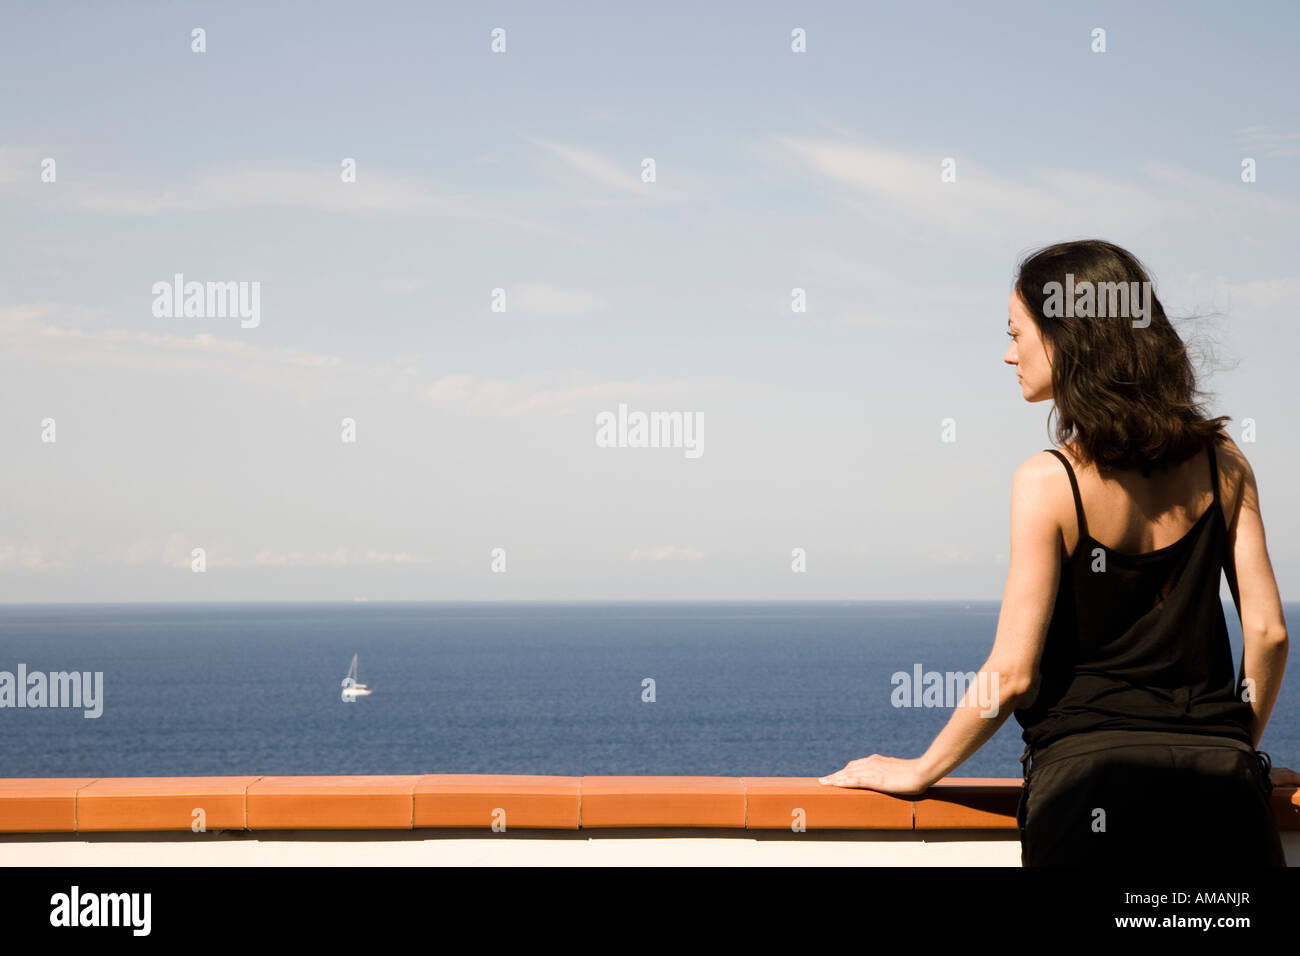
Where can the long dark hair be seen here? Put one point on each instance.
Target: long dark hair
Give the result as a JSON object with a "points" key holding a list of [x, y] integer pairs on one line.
{"points": [[1125, 395]]}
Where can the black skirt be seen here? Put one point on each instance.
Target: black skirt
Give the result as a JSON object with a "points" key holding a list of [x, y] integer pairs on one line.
{"points": [[1118, 798]]}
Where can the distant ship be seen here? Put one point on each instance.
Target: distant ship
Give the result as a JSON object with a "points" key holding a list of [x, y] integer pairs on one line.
{"points": [[351, 689]]}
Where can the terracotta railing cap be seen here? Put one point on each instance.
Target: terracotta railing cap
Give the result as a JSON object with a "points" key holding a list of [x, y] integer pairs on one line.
{"points": [[504, 801]]}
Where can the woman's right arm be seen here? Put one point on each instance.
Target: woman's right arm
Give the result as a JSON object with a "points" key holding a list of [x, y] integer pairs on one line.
{"points": [[1254, 589]]}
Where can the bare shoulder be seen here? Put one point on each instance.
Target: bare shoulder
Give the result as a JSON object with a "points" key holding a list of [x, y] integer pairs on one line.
{"points": [[1229, 455], [1041, 467], [1042, 481], [1236, 477], [1041, 504]]}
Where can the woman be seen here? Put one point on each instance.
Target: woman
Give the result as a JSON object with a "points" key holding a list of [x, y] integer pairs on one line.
{"points": [[1111, 646]]}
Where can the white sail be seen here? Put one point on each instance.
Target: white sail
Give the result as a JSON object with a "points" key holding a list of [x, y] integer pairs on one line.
{"points": [[352, 689]]}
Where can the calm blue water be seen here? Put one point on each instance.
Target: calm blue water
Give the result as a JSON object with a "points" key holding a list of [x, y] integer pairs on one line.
{"points": [[743, 689]]}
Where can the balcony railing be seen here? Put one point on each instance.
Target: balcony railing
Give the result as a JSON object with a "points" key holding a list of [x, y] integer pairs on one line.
{"points": [[456, 818]]}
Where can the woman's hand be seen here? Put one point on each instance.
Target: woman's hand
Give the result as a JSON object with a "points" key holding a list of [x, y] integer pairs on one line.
{"points": [[886, 774], [1284, 777]]}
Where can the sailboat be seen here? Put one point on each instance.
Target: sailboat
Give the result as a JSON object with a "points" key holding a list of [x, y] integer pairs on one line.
{"points": [[351, 689]]}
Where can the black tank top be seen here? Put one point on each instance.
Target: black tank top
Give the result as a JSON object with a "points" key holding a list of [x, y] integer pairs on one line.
{"points": [[1139, 641]]}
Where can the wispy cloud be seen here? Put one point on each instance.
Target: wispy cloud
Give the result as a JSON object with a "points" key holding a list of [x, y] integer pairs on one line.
{"points": [[904, 191], [1256, 300], [1272, 142], [34, 555], [618, 177], [377, 193], [41, 332], [870, 294], [32, 333], [1223, 199], [59, 554], [550, 302], [338, 557]]}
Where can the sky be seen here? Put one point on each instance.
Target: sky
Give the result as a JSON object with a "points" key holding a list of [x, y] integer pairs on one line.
{"points": [[642, 188]]}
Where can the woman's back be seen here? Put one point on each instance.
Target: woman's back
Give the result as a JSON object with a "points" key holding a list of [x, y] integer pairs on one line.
{"points": [[1138, 639], [1134, 514]]}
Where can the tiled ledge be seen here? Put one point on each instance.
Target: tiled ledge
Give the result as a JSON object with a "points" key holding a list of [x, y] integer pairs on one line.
{"points": [[505, 801]]}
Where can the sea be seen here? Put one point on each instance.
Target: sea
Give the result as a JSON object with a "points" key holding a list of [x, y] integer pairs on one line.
{"points": [[705, 688]]}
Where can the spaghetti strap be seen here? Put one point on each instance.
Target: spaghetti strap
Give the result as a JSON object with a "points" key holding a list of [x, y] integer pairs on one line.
{"points": [[1074, 486], [1214, 472]]}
